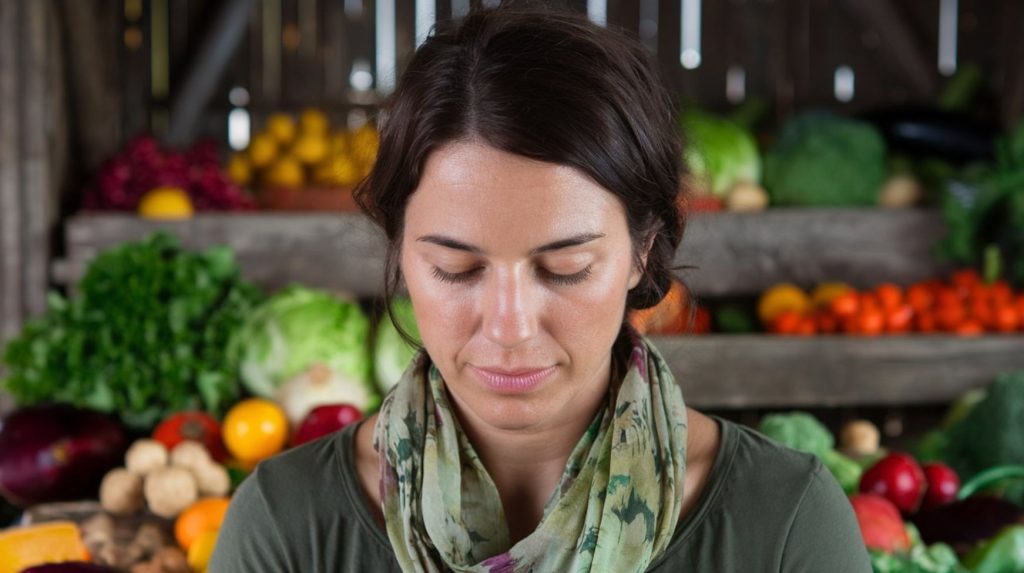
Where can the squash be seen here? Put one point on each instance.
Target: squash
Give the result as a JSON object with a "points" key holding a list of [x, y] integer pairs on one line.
{"points": [[53, 542]]}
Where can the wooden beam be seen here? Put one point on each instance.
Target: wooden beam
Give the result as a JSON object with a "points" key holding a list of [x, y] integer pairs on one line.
{"points": [[908, 59], [10, 172], [735, 254], [723, 371]]}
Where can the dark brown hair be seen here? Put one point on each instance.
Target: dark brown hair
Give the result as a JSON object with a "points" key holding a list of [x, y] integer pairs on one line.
{"points": [[546, 84]]}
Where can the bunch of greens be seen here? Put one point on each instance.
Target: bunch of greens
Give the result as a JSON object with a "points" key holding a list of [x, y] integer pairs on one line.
{"points": [[825, 160], [144, 337], [983, 208], [392, 354]]}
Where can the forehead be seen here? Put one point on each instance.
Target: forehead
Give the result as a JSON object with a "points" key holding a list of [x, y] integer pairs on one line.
{"points": [[483, 193]]}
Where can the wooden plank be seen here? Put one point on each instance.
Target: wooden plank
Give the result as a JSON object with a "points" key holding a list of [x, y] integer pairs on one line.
{"points": [[725, 371], [735, 254], [10, 161]]}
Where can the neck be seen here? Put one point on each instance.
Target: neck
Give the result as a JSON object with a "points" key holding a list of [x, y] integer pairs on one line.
{"points": [[527, 464]]}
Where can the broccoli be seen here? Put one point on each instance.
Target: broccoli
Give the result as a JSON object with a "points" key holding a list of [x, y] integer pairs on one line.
{"points": [[802, 431], [992, 433], [824, 160]]}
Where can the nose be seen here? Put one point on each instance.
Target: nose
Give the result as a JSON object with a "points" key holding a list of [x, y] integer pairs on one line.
{"points": [[510, 307]]}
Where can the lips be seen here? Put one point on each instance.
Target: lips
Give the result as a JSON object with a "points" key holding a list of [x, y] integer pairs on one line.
{"points": [[517, 381]]}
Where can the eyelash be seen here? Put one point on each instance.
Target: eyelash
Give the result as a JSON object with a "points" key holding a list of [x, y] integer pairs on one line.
{"points": [[566, 280]]}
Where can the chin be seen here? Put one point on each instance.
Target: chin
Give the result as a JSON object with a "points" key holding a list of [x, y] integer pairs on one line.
{"points": [[509, 413]]}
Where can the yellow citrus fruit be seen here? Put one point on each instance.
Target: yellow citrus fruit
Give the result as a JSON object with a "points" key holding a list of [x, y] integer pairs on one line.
{"points": [[262, 150], [255, 429], [313, 121], [311, 148], [338, 171], [365, 142], [282, 127], [202, 516], [822, 295], [166, 203], [340, 144], [201, 551], [285, 172], [239, 169], [782, 298]]}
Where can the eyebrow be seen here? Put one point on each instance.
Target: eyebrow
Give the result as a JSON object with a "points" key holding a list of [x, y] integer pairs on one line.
{"points": [[573, 241]]}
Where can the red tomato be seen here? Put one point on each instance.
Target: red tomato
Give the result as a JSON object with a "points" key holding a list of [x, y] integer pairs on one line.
{"points": [[196, 426]]}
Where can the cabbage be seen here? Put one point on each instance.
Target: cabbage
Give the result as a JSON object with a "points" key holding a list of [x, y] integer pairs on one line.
{"points": [[719, 152], [392, 354], [300, 328]]}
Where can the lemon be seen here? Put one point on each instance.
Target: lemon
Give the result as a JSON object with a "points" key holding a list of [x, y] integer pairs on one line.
{"points": [[166, 203], [262, 150], [239, 169], [782, 298], [201, 550], [255, 429], [823, 294], [287, 171], [338, 171], [310, 148], [281, 127], [313, 121], [340, 144], [365, 142]]}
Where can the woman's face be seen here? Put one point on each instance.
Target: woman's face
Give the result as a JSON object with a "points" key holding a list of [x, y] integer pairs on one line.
{"points": [[518, 272]]}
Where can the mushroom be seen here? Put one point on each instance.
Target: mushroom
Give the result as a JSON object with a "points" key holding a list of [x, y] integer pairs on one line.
{"points": [[859, 438], [213, 480], [170, 490], [191, 455], [145, 456], [121, 492]]}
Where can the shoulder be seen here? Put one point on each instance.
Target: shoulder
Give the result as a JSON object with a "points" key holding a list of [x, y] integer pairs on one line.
{"points": [[301, 511], [767, 508]]}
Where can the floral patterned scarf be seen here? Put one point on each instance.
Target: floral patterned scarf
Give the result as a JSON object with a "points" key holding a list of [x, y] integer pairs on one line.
{"points": [[615, 507]]}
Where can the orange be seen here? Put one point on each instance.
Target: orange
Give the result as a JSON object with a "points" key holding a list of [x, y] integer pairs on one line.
{"points": [[889, 295], [255, 429], [782, 298], [168, 203], [787, 322], [202, 516], [825, 293], [846, 304]]}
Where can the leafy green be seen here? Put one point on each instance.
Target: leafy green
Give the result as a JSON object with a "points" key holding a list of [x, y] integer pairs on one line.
{"points": [[992, 432], [983, 208], [798, 430], [1004, 553], [298, 328], [392, 354], [719, 152], [825, 160], [937, 558], [144, 337]]}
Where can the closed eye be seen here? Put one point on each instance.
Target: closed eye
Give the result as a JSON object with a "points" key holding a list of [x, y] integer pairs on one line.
{"points": [[554, 278]]}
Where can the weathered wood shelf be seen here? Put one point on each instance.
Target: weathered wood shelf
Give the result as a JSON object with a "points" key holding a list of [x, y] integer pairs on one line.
{"points": [[728, 371], [732, 254]]}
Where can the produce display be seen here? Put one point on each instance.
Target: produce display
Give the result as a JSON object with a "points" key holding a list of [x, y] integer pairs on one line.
{"points": [[165, 184], [305, 163], [965, 305], [954, 506]]}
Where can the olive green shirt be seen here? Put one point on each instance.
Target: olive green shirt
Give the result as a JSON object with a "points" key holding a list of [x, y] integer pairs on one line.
{"points": [[764, 508]]}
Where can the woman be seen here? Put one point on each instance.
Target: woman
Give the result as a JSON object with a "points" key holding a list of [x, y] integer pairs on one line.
{"points": [[527, 184]]}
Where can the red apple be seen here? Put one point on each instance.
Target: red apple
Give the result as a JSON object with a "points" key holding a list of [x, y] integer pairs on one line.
{"points": [[880, 523], [324, 420], [943, 485], [898, 478]]}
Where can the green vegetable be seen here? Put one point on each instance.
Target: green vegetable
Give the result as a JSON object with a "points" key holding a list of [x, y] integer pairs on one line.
{"points": [[297, 329], [937, 558], [392, 354], [992, 433], [824, 160], [989, 478], [1004, 553], [800, 431], [719, 153], [732, 319], [144, 337], [983, 208], [846, 471]]}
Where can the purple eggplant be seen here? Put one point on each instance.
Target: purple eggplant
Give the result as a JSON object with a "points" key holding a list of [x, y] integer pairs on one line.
{"points": [[57, 452]]}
